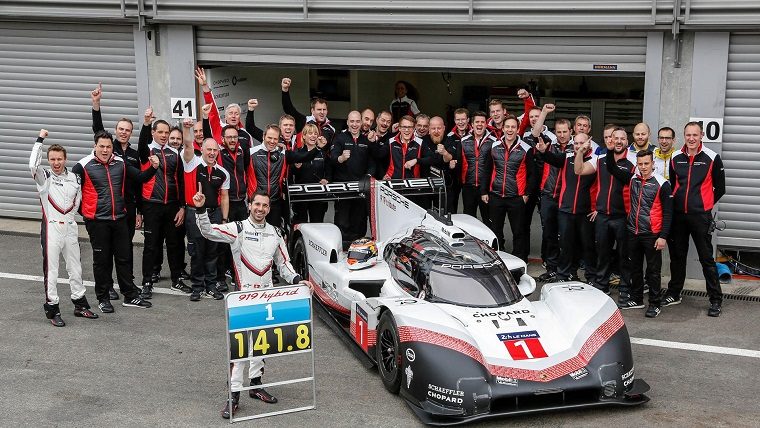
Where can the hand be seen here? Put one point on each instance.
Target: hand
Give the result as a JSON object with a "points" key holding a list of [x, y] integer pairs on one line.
{"points": [[452, 164], [180, 217], [281, 146], [306, 283], [386, 177], [346, 154], [97, 94], [410, 163], [371, 136], [541, 146], [582, 148], [154, 161], [323, 181], [522, 94], [525, 198], [321, 142], [484, 198], [592, 215], [548, 108], [200, 76], [138, 221], [43, 133], [394, 127], [440, 149], [199, 199], [188, 122], [206, 109], [286, 84], [148, 116], [660, 244], [252, 104]]}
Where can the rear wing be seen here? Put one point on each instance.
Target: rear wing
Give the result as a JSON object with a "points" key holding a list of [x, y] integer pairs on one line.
{"points": [[361, 189]]}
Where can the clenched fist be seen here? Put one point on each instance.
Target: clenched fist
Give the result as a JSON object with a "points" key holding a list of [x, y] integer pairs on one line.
{"points": [[43, 133], [148, 116], [286, 84], [252, 104]]}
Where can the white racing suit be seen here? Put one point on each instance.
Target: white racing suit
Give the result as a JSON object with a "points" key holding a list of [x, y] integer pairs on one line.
{"points": [[60, 196], [254, 249]]}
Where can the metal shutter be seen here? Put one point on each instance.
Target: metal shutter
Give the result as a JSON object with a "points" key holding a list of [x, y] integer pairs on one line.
{"points": [[47, 72], [399, 47], [740, 208]]}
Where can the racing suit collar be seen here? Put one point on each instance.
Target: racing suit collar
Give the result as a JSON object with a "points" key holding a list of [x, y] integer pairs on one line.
{"points": [[664, 155]]}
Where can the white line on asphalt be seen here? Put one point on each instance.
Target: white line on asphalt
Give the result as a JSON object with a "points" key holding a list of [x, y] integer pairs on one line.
{"points": [[697, 347], [86, 283]]}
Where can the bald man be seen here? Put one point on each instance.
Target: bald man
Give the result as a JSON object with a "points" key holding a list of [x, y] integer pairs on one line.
{"points": [[641, 133]]}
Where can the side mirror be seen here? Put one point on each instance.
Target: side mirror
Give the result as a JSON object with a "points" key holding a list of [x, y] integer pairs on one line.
{"points": [[527, 285]]}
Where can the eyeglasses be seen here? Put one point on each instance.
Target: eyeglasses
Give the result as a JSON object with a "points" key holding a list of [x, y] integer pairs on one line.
{"points": [[406, 127]]}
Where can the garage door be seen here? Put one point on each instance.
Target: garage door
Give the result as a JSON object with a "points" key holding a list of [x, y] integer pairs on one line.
{"points": [[409, 48], [740, 208], [47, 72]]}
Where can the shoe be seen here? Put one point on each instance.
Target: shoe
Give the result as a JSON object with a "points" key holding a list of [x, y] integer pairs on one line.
{"points": [[670, 300], [714, 310], [624, 295], [180, 286], [57, 321], [582, 265], [84, 313], [155, 278], [226, 411], [221, 286], [614, 279], [136, 302], [646, 289], [195, 296], [213, 294], [261, 393], [105, 306], [147, 291], [652, 311], [184, 275], [547, 276], [228, 273], [630, 304], [112, 294]]}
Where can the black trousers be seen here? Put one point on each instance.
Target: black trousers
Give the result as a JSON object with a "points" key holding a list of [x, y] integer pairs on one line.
{"points": [[158, 222], [203, 252], [608, 231], [641, 247], [275, 216], [452, 196], [111, 246], [471, 201], [576, 235], [530, 208], [549, 211], [698, 227], [351, 219], [514, 208], [309, 212], [238, 212]]}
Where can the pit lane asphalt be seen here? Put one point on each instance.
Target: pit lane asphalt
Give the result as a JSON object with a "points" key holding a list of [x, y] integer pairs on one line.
{"points": [[166, 366]]}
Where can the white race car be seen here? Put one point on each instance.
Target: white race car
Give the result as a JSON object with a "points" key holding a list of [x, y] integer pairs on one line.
{"points": [[445, 317]]}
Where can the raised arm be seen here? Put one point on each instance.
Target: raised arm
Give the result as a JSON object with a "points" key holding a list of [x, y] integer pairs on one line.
{"points": [[544, 154], [226, 233], [545, 111], [528, 103], [97, 118], [580, 166], [146, 137], [250, 121], [35, 159], [287, 104], [619, 174], [188, 151], [208, 98]]}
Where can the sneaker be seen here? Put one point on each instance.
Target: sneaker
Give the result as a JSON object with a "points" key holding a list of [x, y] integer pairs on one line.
{"points": [[547, 276], [630, 304], [180, 286], [213, 294], [646, 289], [136, 302], [652, 311], [670, 300], [112, 294], [228, 273], [221, 286], [227, 411], [261, 393], [195, 296], [714, 310], [84, 313], [147, 291], [105, 306], [184, 275], [624, 295], [57, 321]]}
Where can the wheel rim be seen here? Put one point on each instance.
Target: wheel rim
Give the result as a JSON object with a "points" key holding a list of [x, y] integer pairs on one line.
{"points": [[388, 351]]}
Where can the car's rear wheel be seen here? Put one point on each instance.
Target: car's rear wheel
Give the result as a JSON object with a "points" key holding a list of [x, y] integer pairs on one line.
{"points": [[388, 353], [300, 260]]}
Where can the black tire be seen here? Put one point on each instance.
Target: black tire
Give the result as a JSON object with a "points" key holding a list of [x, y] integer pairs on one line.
{"points": [[388, 353], [300, 260]]}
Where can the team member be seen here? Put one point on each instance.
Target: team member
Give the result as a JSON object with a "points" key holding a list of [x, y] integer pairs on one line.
{"points": [[289, 139], [499, 113], [318, 113], [698, 182], [666, 140], [253, 263], [507, 170], [368, 120], [648, 223], [176, 137], [609, 215], [454, 138], [471, 148], [317, 170], [405, 151], [402, 105], [582, 125], [351, 160], [379, 147], [60, 195], [436, 158], [573, 223], [102, 177], [232, 115], [162, 212], [641, 133], [132, 189], [205, 176], [421, 125]]}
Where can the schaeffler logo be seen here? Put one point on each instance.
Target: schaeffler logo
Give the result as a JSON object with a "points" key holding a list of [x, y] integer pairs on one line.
{"points": [[410, 355]]}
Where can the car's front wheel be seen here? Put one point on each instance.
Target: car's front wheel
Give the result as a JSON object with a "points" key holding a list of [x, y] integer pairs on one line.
{"points": [[300, 262], [388, 353]]}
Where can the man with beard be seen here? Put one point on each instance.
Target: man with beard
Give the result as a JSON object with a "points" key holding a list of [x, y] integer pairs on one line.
{"points": [[666, 140], [379, 148], [436, 157], [232, 115]]}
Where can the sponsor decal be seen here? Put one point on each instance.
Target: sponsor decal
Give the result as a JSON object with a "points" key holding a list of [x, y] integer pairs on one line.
{"points": [[605, 67], [445, 394], [267, 295], [509, 381], [409, 375], [503, 315], [316, 246], [579, 374], [390, 199], [471, 266], [573, 287], [410, 355], [324, 188], [523, 345], [406, 301], [627, 377]]}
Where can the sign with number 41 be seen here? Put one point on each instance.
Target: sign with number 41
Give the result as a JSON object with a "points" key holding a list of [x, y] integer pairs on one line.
{"points": [[183, 108]]}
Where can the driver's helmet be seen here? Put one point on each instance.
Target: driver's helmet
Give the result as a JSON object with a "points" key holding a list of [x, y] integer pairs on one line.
{"points": [[362, 254]]}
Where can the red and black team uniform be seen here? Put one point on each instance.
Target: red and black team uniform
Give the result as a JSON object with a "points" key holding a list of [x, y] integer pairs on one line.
{"points": [[161, 197], [351, 214], [311, 171], [258, 133], [453, 145], [698, 182], [379, 150], [550, 184], [399, 154], [505, 177], [649, 218], [576, 199], [325, 128], [471, 148]]}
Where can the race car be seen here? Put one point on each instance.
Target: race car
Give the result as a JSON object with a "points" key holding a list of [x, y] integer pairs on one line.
{"points": [[445, 316]]}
